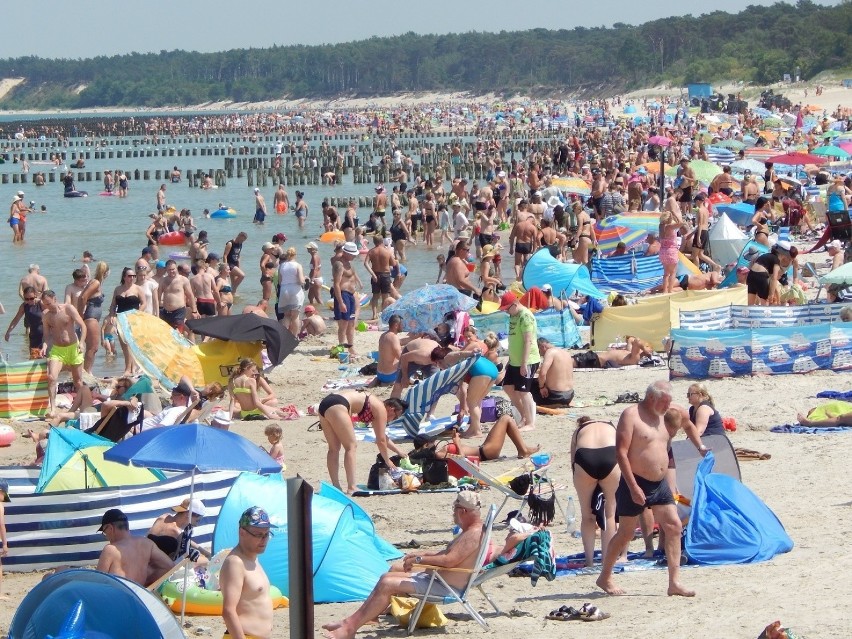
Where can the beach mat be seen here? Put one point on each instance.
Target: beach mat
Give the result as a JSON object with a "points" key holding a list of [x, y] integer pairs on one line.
{"points": [[798, 429], [574, 565], [830, 394], [398, 433], [363, 491]]}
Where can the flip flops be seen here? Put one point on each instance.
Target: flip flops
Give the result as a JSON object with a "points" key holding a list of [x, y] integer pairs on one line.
{"points": [[588, 612]]}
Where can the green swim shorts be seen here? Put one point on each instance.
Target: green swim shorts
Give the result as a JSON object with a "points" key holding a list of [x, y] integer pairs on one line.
{"points": [[70, 355]]}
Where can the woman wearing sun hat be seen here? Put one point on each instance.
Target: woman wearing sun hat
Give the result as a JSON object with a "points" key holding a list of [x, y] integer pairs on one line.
{"points": [[487, 272]]}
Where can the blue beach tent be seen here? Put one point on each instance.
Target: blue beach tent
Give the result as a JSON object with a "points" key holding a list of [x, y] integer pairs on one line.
{"points": [[542, 268], [729, 524], [87, 604], [349, 557]]}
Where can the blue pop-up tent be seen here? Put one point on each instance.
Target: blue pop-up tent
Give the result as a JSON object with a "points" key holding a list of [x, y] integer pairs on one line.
{"points": [[349, 557], [729, 524], [542, 268]]}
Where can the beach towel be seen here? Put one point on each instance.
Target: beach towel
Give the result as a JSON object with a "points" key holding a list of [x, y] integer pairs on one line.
{"points": [[830, 409], [798, 429], [364, 491], [830, 394], [346, 383], [399, 433], [536, 547], [574, 565], [728, 523]]}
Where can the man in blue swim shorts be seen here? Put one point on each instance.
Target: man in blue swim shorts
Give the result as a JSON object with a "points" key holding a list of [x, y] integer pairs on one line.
{"points": [[390, 351], [345, 279]]}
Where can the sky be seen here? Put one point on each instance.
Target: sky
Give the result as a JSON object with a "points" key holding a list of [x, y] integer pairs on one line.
{"points": [[85, 28]]}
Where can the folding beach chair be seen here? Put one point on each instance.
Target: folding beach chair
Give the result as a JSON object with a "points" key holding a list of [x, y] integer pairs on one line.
{"points": [[499, 487], [425, 394], [478, 576], [184, 418], [114, 425]]}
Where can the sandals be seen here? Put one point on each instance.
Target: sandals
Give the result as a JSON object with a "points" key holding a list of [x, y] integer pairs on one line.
{"points": [[587, 613]]}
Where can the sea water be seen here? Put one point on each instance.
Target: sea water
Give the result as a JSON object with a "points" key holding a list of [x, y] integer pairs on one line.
{"points": [[113, 230]]}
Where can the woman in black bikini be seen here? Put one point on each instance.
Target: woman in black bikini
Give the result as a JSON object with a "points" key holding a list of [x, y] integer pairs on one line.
{"points": [[762, 216], [336, 412], [594, 464], [584, 239], [127, 296], [506, 426]]}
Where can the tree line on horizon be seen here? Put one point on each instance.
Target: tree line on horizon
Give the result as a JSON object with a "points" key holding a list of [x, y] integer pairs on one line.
{"points": [[759, 44]]}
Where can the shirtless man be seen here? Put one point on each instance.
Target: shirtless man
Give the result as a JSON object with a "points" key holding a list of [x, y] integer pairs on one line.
{"points": [[281, 200], [415, 358], [460, 554], [260, 308], [203, 285], [687, 184], [161, 198], [390, 350], [345, 279], [522, 242], [378, 262], [613, 357], [75, 289], [555, 384], [702, 282], [60, 346], [723, 183], [259, 207], [456, 273], [641, 448], [246, 606], [135, 558], [175, 294], [35, 279], [198, 247]]}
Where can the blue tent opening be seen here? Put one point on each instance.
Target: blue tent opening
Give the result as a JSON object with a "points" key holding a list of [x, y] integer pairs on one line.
{"points": [[542, 268]]}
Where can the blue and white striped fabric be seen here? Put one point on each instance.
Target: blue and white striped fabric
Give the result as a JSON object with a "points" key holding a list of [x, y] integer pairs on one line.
{"points": [[425, 394], [737, 317], [720, 155], [51, 529], [627, 274]]}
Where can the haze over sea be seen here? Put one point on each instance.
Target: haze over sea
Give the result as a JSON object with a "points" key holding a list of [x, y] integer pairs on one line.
{"points": [[113, 229]]}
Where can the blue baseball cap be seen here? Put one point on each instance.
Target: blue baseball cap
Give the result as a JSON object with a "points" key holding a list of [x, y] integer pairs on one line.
{"points": [[256, 517], [161, 263]]}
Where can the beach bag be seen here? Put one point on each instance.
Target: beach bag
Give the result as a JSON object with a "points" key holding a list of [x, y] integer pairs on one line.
{"points": [[542, 504], [435, 471], [430, 617], [373, 477]]}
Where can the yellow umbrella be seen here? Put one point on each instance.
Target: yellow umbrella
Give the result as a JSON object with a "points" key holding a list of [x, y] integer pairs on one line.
{"points": [[654, 167], [162, 352]]}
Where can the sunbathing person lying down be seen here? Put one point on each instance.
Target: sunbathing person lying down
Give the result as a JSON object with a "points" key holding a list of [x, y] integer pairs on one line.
{"points": [[614, 357], [425, 447], [842, 419]]}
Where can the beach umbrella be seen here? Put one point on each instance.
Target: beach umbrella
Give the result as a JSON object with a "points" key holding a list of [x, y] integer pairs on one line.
{"points": [[831, 151], [796, 159], [659, 140], [654, 167], [731, 144], [577, 186], [773, 121], [704, 171], [248, 327], [740, 213], [831, 134], [647, 222], [609, 238], [192, 448], [424, 308], [162, 352], [755, 166], [846, 145], [718, 198], [841, 276]]}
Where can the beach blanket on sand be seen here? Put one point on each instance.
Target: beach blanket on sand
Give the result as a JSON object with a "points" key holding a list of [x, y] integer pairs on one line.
{"points": [[364, 491], [830, 394], [536, 547], [398, 433], [573, 565], [797, 429], [346, 382]]}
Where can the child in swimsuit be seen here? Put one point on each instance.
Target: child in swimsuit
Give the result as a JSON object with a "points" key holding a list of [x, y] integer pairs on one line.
{"points": [[273, 434]]}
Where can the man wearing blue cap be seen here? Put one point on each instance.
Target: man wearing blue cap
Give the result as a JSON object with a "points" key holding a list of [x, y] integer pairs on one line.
{"points": [[246, 606]]}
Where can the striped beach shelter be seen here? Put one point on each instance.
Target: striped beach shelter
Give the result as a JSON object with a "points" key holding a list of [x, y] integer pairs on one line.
{"points": [[424, 394]]}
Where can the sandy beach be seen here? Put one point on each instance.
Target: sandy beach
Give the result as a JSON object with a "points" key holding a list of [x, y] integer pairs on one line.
{"points": [[807, 589]]}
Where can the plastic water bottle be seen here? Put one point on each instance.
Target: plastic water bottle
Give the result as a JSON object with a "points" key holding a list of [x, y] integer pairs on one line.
{"points": [[571, 518]]}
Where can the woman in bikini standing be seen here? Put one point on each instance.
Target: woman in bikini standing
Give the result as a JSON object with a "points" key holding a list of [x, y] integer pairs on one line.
{"points": [[127, 296], [336, 412], [594, 464], [91, 299], [670, 223], [584, 238], [762, 216]]}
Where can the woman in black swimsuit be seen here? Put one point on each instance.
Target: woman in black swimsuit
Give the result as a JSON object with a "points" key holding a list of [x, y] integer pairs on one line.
{"points": [[491, 448], [336, 412], [762, 217], [594, 464], [584, 239], [127, 296], [766, 273]]}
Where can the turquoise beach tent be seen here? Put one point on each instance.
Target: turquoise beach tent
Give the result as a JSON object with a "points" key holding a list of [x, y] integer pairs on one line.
{"points": [[87, 604], [349, 557], [728, 523], [542, 268]]}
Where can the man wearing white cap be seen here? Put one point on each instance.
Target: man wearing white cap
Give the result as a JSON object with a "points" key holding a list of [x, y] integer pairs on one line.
{"points": [[259, 207], [460, 556], [835, 252], [345, 280]]}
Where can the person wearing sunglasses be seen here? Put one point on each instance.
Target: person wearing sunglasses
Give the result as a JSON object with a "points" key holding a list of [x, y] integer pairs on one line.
{"points": [[246, 606]]}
